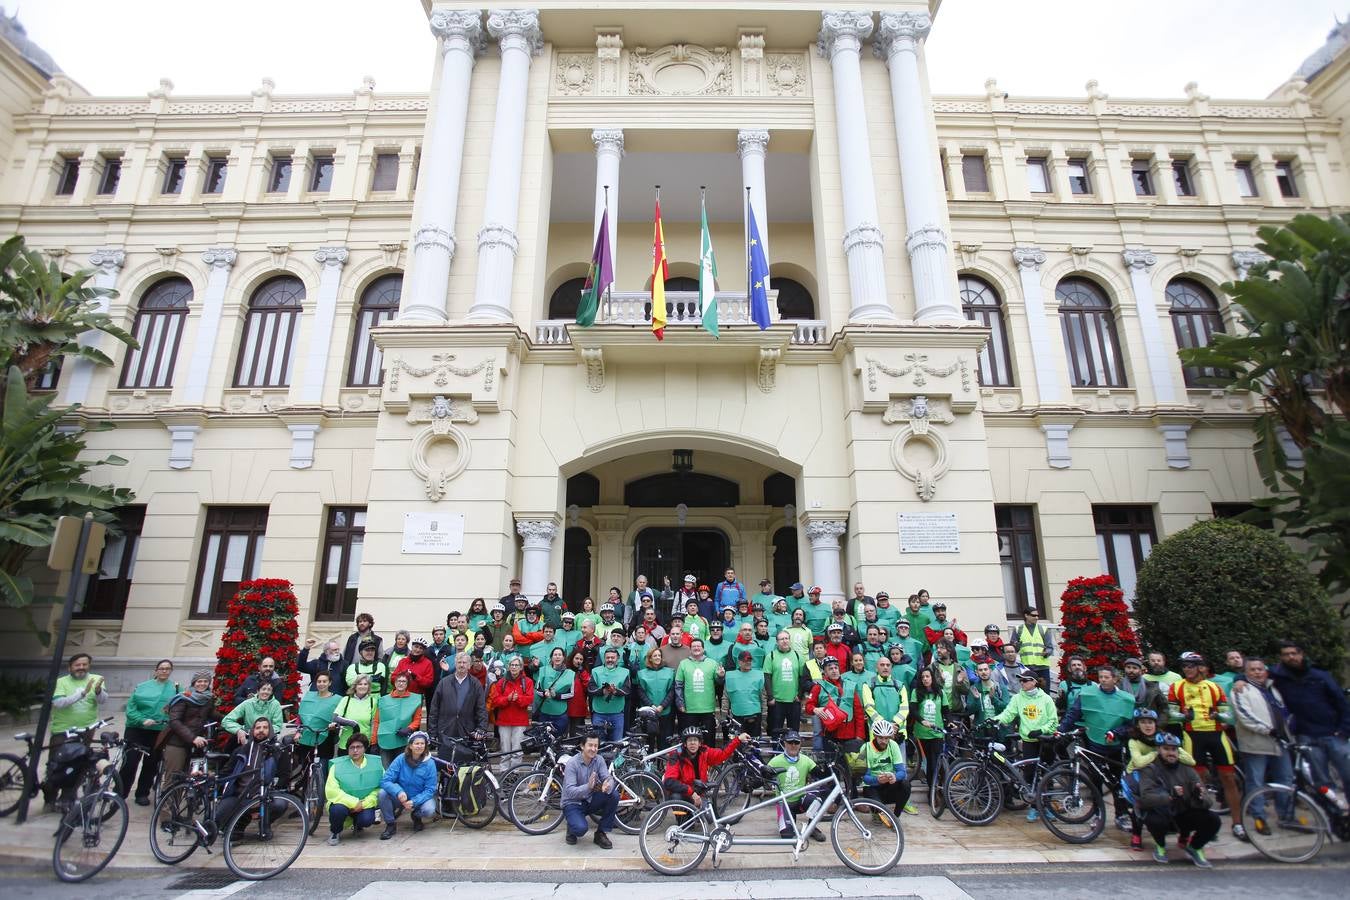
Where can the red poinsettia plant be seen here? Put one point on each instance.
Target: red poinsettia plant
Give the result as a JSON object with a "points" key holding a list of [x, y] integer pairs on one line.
{"points": [[1096, 624], [262, 622]]}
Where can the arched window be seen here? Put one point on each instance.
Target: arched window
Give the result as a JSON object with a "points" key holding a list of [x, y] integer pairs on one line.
{"points": [[981, 303], [583, 489], [1089, 335], [681, 283], [379, 304], [266, 354], [794, 300], [158, 328], [565, 300], [1195, 319], [780, 490]]}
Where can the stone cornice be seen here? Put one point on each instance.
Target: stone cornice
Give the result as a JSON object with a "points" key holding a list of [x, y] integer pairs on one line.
{"points": [[969, 336]]}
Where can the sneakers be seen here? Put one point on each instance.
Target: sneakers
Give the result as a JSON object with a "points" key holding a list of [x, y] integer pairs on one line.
{"points": [[786, 834], [911, 809], [604, 843], [417, 824], [1123, 822], [1198, 857], [1032, 815], [571, 839], [1136, 843], [389, 831], [333, 839], [1160, 854], [1261, 826], [142, 801], [1241, 834], [816, 835]]}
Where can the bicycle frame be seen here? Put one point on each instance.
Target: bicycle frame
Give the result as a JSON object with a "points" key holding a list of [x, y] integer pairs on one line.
{"points": [[797, 843]]}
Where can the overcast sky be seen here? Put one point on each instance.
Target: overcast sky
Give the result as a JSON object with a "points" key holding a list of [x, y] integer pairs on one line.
{"points": [[1233, 48]]}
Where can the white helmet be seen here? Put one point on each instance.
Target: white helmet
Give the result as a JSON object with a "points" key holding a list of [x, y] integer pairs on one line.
{"points": [[883, 728]]}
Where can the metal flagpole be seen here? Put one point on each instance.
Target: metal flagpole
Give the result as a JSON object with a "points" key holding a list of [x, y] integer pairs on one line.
{"points": [[609, 288], [746, 228]]}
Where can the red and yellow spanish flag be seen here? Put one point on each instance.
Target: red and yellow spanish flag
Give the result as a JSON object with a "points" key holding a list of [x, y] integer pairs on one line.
{"points": [[659, 275]]}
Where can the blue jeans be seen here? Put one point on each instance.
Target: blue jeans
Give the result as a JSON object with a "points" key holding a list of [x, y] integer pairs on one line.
{"points": [[390, 808], [1262, 770], [1335, 750], [560, 723], [608, 725], [337, 817], [601, 804]]}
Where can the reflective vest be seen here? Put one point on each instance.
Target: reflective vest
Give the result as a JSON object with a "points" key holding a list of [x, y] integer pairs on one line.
{"points": [[1031, 647], [396, 713], [315, 714], [887, 700], [1103, 712], [359, 781]]}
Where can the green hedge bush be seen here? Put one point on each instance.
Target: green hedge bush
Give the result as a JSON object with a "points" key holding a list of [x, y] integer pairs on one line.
{"points": [[1222, 584]]}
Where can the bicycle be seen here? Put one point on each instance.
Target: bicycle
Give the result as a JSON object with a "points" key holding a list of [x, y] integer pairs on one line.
{"points": [[468, 792], [307, 781], [742, 776], [1306, 812], [977, 789], [536, 801], [954, 745], [1070, 803], [677, 836], [88, 837], [15, 780]]}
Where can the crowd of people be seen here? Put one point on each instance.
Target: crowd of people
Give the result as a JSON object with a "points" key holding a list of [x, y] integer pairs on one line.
{"points": [[681, 665]]}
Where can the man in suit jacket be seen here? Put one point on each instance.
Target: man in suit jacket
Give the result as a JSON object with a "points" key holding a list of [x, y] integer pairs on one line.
{"points": [[458, 709]]}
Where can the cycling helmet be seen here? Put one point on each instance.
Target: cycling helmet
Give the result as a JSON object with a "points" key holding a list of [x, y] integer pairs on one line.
{"points": [[1190, 657], [420, 641], [1145, 714], [692, 731], [1167, 740], [883, 728], [608, 607]]}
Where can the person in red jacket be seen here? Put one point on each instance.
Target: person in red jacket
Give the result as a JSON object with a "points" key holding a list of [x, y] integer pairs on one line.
{"points": [[934, 631], [686, 776], [852, 726], [510, 699], [993, 640], [835, 648], [421, 671], [579, 707]]}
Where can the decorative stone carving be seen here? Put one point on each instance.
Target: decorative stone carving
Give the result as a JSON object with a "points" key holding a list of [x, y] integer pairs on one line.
{"points": [[303, 436], [680, 70], [842, 29], [220, 257], [926, 236], [751, 45], [826, 532], [459, 29], [138, 401], [434, 236], [920, 412], [864, 235], [768, 362], [437, 478], [537, 534], [900, 32], [574, 74], [608, 54], [1243, 260], [516, 27], [440, 411], [1139, 258], [498, 236], [442, 368], [918, 366], [1030, 258], [108, 260], [331, 256], [752, 140], [1057, 445], [918, 415], [594, 358], [608, 140], [785, 74]]}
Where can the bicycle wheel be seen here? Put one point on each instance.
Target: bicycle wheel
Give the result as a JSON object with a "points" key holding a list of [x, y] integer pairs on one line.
{"points": [[937, 802], [1290, 827], [536, 802], [173, 831], [674, 839], [89, 836], [314, 797], [1070, 805], [638, 792], [866, 837], [730, 790], [973, 792], [13, 783], [1013, 798], [476, 800], [262, 842]]}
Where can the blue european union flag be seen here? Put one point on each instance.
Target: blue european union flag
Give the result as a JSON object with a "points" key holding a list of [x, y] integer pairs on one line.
{"points": [[759, 275]]}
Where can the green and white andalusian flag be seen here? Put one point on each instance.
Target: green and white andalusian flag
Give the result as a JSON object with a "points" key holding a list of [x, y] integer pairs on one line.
{"points": [[707, 275]]}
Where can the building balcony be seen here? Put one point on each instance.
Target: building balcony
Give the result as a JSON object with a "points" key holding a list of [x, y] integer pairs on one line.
{"points": [[683, 310]]}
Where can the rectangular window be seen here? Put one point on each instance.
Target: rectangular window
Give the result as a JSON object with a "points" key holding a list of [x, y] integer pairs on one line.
{"points": [[1125, 537], [112, 174], [973, 173], [109, 587], [216, 167], [1038, 175], [1079, 183], [70, 175], [344, 541], [175, 171], [49, 375], [280, 182], [385, 176], [322, 179], [1019, 558], [1284, 177], [1141, 172], [1181, 177], [1246, 179], [231, 552]]}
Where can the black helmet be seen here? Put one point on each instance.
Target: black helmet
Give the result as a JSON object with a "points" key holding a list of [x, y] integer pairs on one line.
{"points": [[692, 731]]}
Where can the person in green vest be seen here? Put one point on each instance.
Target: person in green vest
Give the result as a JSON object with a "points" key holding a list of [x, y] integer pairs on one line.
{"points": [[926, 708], [357, 710], [1107, 712], [903, 666], [914, 647], [783, 667], [793, 768], [765, 596], [147, 714], [553, 688], [817, 614], [608, 690], [240, 720], [478, 615], [1034, 711], [1035, 647], [745, 693], [796, 597], [656, 693], [885, 778], [376, 673], [537, 654], [608, 622], [886, 702], [778, 616], [874, 648], [552, 606], [397, 715], [696, 682], [352, 788], [719, 645], [799, 634], [857, 675], [887, 615], [1075, 679], [398, 652], [745, 641], [987, 697], [694, 625], [318, 731]]}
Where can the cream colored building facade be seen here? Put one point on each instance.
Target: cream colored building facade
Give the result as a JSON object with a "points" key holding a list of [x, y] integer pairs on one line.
{"points": [[986, 351]]}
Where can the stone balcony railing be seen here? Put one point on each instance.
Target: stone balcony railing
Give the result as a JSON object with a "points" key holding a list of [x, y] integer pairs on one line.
{"points": [[683, 310]]}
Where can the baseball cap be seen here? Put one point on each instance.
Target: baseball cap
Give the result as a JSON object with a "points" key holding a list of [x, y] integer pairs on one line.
{"points": [[796, 586], [745, 655], [792, 737], [1026, 675]]}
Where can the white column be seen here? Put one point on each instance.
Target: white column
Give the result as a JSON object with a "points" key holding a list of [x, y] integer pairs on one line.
{"points": [[332, 259], [826, 571], [1029, 261], [753, 142], [461, 35], [536, 537], [1139, 261], [841, 37], [107, 263], [220, 260], [518, 36], [608, 153], [929, 255]]}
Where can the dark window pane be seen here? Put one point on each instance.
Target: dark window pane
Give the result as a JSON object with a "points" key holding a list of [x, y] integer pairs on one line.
{"points": [[112, 174], [673, 488], [47, 379], [323, 174], [780, 490], [379, 304], [1246, 179], [385, 177], [1143, 178], [265, 353], [565, 300], [340, 566], [106, 597], [1284, 177], [1090, 337], [70, 174], [280, 181], [1181, 175], [1019, 559], [1195, 320], [231, 552], [794, 300], [216, 168], [583, 490], [1078, 177], [973, 173], [174, 173], [158, 328], [1125, 537], [981, 303]]}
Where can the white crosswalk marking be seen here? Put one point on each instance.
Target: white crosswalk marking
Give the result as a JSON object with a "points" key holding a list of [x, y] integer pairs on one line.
{"points": [[927, 888]]}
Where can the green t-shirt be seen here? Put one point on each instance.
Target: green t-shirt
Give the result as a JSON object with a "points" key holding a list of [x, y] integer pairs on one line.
{"points": [[883, 762], [700, 685], [800, 637], [696, 627], [793, 775], [82, 712], [784, 671], [929, 710], [745, 691]]}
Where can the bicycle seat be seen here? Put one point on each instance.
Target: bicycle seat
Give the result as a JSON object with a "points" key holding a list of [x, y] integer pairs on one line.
{"points": [[24, 736], [217, 755]]}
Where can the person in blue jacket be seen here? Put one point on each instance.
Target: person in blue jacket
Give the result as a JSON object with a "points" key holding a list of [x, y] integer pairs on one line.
{"points": [[408, 784], [1318, 708]]}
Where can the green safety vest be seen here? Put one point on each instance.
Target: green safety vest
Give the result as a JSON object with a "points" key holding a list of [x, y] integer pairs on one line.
{"points": [[376, 672], [315, 714], [559, 683], [603, 675], [829, 691], [80, 713], [1103, 712], [1031, 647], [700, 685], [396, 713], [359, 781], [882, 762], [744, 691], [656, 683], [359, 711], [784, 671], [890, 701], [872, 653], [818, 615], [887, 616]]}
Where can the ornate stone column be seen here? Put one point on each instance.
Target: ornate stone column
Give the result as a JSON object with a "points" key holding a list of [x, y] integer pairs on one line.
{"points": [[826, 571], [608, 154], [929, 255], [461, 35], [840, 40], [107, 264], [331, 260], [1139, 261], [753, 142], [536, 536], [518, 36], [220, 260], [1043, 357]]}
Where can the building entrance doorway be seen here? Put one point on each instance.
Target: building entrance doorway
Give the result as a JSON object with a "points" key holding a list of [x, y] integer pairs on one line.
{"points": [[704, 553]]}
